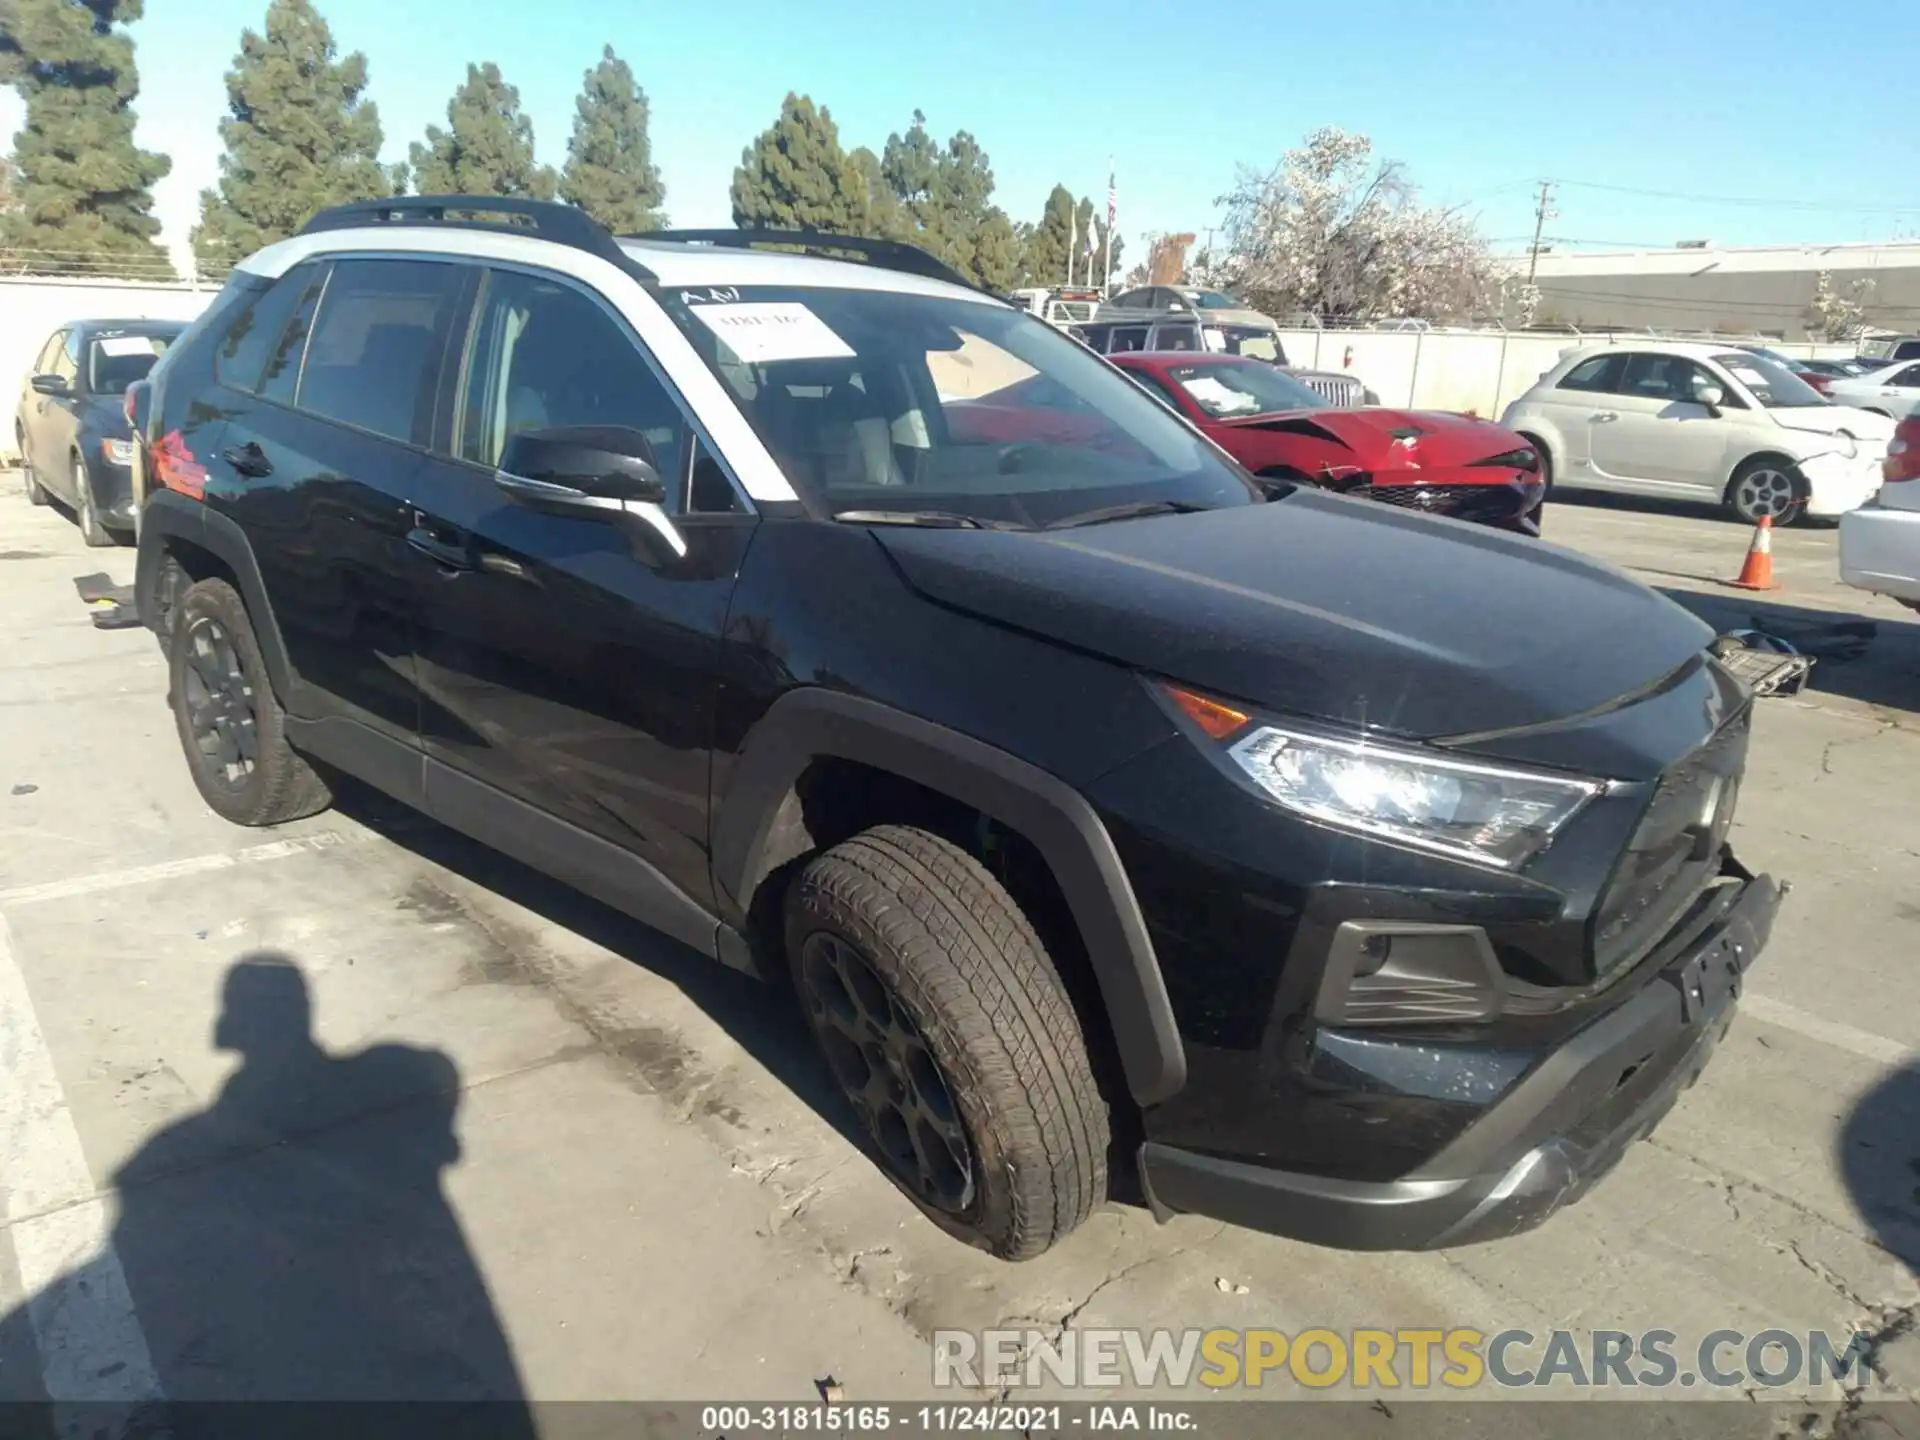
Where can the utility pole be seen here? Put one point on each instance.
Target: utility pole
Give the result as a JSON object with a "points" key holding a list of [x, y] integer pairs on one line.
{"points": [[1541, 214]]}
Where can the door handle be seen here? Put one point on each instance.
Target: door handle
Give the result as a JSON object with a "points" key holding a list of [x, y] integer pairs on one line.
{"points": [[444, 554], [248, 460], [1601, 417]]}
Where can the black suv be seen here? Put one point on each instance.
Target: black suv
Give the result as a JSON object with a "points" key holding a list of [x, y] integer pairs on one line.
{"points": [[1342, 871]]}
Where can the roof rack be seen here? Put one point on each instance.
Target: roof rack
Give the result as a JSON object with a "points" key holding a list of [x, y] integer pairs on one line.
{"points": [[541, 219], [882, 254]]}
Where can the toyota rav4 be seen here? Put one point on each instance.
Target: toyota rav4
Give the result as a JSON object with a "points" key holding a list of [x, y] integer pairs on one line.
{"points": [[1340, 871]]}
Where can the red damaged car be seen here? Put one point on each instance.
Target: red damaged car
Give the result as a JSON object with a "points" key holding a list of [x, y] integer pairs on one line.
{"points": [[1429, 460]]}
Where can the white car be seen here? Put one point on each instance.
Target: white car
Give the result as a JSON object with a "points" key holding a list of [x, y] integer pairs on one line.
{"points": [[1880, 542], [1700, 422], [1892, 390]]}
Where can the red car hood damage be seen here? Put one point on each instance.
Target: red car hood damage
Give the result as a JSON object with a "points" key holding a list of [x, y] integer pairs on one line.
{"points": [[1383, 440]]}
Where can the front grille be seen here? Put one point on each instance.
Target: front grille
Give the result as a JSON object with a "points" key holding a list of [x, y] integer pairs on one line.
{"points": [[1675, 850], [1335, 389], [1483, 504]]}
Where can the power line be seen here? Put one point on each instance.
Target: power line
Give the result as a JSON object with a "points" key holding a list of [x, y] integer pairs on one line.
{"points": [[1856, 207]]}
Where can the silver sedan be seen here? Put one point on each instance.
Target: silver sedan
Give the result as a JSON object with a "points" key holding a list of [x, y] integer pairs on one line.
{"points": [[1892, 390]]}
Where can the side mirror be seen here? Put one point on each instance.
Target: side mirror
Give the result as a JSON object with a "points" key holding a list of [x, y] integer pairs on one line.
{"points": [[1710, 395], [50, 384], [593, 472]]}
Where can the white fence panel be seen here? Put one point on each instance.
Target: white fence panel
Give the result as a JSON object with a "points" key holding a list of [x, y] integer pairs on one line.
{"points": [[33, 307]]}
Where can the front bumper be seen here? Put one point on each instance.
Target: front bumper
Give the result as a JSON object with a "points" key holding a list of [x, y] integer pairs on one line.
{"points": [[1880, 551], [1544, 1143], [1837, 483]]}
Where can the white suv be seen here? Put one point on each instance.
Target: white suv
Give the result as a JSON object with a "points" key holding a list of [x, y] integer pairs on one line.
{"points": [[1695, 421]]}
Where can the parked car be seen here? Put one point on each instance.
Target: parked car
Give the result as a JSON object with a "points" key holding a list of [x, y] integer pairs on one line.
{"points": [[1700, 421], [1215, 306], [1891, 390], [1170, 333], [71, 427], [1880, 542], [1883, 350], [1822, 373], [1371, 870], [1443, 464], [1813, 372]]}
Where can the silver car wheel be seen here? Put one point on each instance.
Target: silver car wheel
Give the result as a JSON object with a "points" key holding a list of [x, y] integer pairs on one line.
{"points": [[1765, 490]]}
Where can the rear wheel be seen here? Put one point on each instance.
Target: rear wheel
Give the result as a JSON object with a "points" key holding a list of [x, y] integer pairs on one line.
{"points": [[92, 530], [1766, 486], [230, 724], [950, 1031], [1546, 457]]}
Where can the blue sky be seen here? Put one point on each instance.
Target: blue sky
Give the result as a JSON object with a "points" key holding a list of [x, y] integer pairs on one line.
{"points": [[1785, 106]]}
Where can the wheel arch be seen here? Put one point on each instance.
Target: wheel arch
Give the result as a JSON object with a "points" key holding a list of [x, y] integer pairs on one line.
{"points": [[761, 828], [1778, 456], [208, 546]]}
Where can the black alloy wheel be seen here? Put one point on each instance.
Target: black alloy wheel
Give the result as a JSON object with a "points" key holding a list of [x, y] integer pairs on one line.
{"points": [[219, 701]]}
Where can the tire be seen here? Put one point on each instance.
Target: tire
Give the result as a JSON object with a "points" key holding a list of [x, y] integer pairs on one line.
{"points": [[169, 585], [1546, 458], [85, 512], [231, 725], [903, 939], [28, 480], [1767, 486]]}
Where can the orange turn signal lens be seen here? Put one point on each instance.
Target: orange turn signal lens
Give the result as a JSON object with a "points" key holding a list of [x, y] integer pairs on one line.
{"points": [[1217, 720]]}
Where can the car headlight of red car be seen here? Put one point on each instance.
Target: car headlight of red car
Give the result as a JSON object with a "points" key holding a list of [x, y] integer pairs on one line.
{"points": [[1522, 459]]}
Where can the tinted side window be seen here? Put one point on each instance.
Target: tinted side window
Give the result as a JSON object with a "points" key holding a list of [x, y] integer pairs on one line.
{"points": [[1125, 338], [544, 354], [373, 357], [258, 327], [1908, 376], [1176, 337], [1601, 373], [282, 376], [1132, 299], [1906, 350]]}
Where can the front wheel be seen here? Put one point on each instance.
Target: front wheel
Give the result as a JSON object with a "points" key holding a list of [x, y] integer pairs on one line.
{"points": [[86, 511], [950, 1031], [28, 480], [1767, 487]]}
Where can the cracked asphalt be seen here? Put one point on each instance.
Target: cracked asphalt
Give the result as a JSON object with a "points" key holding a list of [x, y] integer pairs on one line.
{"points": [[359, 1109]]}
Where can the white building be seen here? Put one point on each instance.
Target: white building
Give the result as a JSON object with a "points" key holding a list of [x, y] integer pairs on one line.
{"points": [[1765, 290]]}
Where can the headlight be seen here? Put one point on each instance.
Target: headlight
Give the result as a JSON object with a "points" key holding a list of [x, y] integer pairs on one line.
{"points": [[1521, 459], [118, 452], [1477, 812]]}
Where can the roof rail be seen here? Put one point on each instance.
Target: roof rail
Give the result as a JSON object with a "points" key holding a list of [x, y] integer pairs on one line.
{"points": [[541, 219], [882, 254]]}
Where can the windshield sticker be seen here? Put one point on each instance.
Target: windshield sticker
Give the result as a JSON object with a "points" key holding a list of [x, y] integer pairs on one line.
{"points": [[126, 344], [1752, 379], [1215, 340], [772, 331], [1218, 398], [712, 295]]}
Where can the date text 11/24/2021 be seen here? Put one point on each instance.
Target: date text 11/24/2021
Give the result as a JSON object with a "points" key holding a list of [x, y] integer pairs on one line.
{"points": [[1028, 1420]]}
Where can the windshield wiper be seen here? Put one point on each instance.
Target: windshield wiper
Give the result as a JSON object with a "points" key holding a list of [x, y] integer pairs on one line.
{"points": [[1131, 511], [932, 519]]}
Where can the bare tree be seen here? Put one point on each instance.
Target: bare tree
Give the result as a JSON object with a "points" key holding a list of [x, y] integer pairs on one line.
{"points": [[1167, 258], [1331, 231]]}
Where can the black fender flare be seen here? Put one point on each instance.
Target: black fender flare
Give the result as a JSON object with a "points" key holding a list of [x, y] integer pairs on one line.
{"points": [[754, 825], [170, 516]]}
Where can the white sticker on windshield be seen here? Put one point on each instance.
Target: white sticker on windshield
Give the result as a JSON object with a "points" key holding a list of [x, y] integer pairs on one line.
{"points": [[769, 331], [126, 345], [1752, 379], [1220, 399]]}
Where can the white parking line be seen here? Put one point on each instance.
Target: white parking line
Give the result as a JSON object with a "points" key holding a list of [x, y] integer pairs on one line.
{"points": [[90, 1341], [172, 869], [1863, 1043]]}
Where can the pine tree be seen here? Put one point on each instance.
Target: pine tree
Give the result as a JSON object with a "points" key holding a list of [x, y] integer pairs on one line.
{"points": [[1052, 241], [943, 202], [884, 220], [795, 176], [83, 194], [299, 137], [487, 147], [610, 172]]}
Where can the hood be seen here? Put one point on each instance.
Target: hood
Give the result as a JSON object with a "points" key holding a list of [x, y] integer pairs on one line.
{"points": [[1831, 419], [1386, 439], [1324, 607]]}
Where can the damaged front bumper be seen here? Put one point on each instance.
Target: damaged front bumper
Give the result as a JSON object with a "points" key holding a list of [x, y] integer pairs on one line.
{"points": [[1556, 1132]]}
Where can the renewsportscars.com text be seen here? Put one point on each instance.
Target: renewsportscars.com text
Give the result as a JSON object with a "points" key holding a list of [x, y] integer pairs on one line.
{"points": [[1416, 1359]]}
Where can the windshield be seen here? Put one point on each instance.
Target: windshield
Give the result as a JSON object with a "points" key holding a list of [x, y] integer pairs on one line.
{"points": [[885, 401], [1248, 340], [1772, 384], [1227, 390], [115, 361]]}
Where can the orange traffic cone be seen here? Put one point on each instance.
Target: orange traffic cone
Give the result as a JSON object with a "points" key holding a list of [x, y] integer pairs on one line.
{"points": [[1757, 572]]}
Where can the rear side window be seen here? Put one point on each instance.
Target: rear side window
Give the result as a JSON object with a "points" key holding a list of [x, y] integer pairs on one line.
{"points": [[257, 327], [1906, 350], [1601, 373], [1125, 338], [1176, 337], [1908, 376], [373, 359]]}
